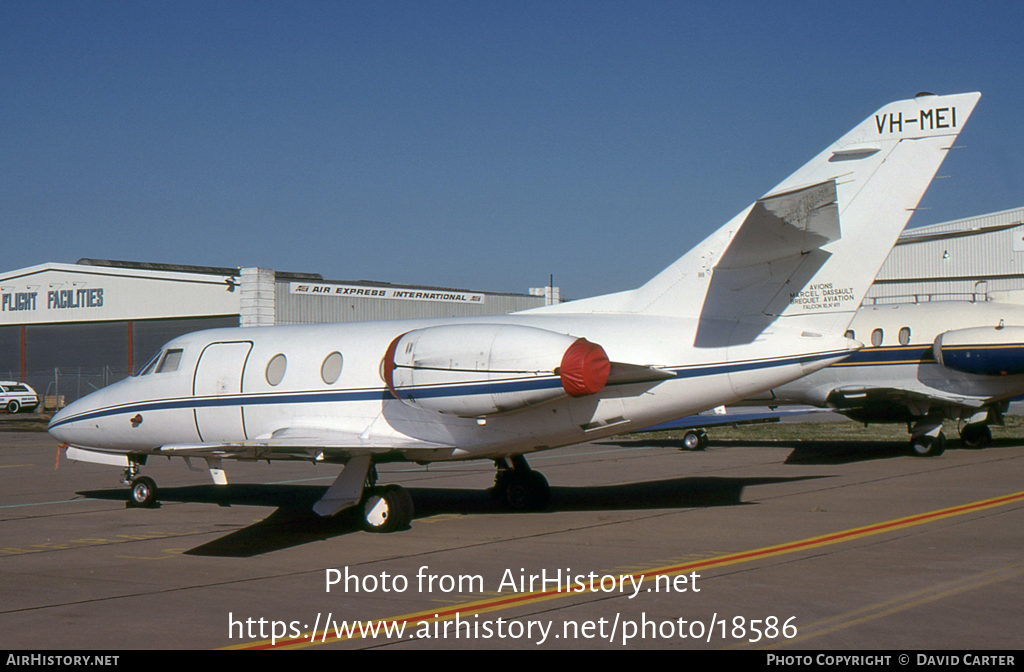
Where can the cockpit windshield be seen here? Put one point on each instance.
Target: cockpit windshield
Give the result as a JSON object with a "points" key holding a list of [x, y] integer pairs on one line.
{"points": [[170, 361], [148, 368]]}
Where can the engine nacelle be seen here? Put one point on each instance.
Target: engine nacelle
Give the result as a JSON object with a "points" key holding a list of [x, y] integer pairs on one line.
{"points": [[473, 370], [985, 351]]}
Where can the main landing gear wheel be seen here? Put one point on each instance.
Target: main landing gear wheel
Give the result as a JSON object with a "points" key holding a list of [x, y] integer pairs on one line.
{"points": [[386, 509], [977, 435], [928, 446], [695, 439], [527, 492], [143, 492], [520, 488]]}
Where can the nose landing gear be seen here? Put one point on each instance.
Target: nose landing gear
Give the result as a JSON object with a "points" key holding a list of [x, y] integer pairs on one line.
{"points": [[143, 492], [143, 488]]}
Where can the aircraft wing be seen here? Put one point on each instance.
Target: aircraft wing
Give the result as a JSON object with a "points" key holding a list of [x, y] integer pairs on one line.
{"points": [[897, 404], [317, 444], [746, 417], [856, 396], [304, 443]]}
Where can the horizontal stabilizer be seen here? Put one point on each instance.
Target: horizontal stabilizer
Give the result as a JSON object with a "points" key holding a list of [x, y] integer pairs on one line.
{"points": [[772, 250], [784, 225]]}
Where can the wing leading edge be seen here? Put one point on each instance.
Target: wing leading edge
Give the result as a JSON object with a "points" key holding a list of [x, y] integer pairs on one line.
{"points": [[319, 444]]}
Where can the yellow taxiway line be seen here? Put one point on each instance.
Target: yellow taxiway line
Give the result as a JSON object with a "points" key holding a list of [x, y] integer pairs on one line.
{"points": [[317, 637]]}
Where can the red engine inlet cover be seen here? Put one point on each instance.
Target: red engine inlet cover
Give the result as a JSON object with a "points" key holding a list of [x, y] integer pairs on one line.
{"points": [[585, 368], [388, 366]]}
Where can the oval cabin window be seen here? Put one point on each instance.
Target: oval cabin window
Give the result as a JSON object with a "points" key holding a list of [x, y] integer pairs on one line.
{"points": [[905, 336], [275, 369], [876, 337], [331, 369]]}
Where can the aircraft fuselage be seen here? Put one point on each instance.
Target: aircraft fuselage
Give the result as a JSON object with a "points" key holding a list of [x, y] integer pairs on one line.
{"points": [[223, 389]]}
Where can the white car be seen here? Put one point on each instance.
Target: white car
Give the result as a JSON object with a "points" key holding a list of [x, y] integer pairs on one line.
{"points": [[16, 397]]}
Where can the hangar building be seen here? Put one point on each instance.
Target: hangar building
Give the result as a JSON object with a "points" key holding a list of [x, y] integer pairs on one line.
{"points": [[975, 259], [67, 329]]}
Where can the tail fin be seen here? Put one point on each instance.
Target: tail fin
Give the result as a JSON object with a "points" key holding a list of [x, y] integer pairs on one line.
{"points": [[806, 252]]}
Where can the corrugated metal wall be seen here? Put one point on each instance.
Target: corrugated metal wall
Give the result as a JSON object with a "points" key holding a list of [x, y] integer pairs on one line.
{"points": [[964, 259], [306, 309]]}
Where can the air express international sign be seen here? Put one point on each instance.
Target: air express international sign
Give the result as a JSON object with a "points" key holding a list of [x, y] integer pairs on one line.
{"points": [[390, 293]]}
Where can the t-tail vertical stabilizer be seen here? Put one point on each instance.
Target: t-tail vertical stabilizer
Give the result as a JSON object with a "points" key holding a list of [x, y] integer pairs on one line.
{"points": [[805, 253]]}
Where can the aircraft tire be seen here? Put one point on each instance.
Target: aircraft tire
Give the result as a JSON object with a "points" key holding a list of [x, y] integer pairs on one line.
{"points": [[386, 509], [977, 435], [527, 491], [928, 446], [405, 499], [143, 492], [695, 439], [13, 406]]}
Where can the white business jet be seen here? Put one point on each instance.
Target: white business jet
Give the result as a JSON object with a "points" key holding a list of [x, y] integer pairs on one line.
{"points": [[924, 363], [730, 319]]}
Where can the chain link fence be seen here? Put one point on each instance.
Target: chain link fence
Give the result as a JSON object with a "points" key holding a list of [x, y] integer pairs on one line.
{"points": [[59, 387]]}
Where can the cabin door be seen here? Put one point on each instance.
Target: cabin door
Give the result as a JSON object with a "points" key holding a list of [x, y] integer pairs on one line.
{"points": [[217, 390]]}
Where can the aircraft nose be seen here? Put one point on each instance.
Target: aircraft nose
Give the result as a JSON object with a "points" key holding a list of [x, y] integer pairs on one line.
{"points": [[61, 426], [87, 421], [78, 423]]}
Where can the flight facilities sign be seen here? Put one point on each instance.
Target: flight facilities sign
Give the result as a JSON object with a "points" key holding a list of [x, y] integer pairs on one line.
{"points": [[56, 293], [390, 293], [59, 299]]}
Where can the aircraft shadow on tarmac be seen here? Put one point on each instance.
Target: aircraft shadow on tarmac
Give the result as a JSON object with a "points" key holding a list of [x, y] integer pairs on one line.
{"points": [[815, 451], [845, 452], [293, 522]]}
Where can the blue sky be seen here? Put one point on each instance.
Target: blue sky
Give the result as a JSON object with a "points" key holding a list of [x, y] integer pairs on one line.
{"points": [[482, 145]]}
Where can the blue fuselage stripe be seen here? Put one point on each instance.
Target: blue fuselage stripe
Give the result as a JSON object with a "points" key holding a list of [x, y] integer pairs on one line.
{"points": [[983, 360], [382, 394], [889, 355]]}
